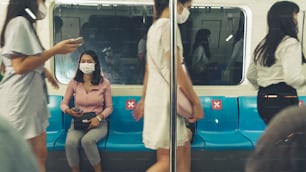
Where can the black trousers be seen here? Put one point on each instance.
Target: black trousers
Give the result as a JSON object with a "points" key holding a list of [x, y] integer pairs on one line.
{"points": [[274, 98]]}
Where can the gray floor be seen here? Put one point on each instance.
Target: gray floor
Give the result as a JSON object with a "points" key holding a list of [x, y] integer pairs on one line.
{"points": [[202, 161]]}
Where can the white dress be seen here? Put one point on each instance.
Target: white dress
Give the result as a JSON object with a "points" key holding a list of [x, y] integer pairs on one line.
{"points": [[157, 101], [23, 99]]}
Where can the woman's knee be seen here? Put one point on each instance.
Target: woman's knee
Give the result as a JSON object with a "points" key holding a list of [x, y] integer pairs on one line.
{"points": [[39, 148], [86, 141], [71, 142]]}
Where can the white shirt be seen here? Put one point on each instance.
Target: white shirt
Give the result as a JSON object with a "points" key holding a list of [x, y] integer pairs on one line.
{"points": [[199, 58], [287, 67]]}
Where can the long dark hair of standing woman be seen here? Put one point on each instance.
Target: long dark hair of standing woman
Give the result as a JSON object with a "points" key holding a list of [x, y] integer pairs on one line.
{"points": [[160, 5], [17, 8], [281, 24]]}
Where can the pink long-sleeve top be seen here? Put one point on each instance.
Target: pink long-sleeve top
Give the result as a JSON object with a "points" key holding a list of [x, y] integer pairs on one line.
{"points": [[98, 99]]}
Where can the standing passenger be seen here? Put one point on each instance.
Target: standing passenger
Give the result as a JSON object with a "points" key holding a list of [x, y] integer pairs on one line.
{"points": [[277, 64], [92, 93], [156, 109], [23, 90]]}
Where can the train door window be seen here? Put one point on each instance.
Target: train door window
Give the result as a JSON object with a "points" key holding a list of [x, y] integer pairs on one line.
{"points": [[213, 39], [115, 32]]}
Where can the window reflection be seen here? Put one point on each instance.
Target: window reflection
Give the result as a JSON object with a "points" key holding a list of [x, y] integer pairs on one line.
{"points": [[118, 35]]}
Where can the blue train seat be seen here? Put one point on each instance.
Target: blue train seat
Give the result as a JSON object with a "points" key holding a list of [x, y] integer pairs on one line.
{"points": [[60, 143], [125, 134], [197, 143], [219, 128], [55, 127], [250, 123]]}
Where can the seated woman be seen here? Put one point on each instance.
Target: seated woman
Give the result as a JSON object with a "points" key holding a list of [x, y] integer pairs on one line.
{"points": [[92, 93]]}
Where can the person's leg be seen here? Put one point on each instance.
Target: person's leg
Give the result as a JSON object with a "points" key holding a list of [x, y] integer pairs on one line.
{"points": [[183, 158], [187, 146], [162, 163], [39, 148], [89, 144], [72, 148]]}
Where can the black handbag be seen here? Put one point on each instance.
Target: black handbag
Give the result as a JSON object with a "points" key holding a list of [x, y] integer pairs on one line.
{"points": [[82, 123]]}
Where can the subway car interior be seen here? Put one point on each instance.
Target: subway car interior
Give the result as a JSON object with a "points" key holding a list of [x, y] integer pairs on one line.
{"points": [[116, 31]]}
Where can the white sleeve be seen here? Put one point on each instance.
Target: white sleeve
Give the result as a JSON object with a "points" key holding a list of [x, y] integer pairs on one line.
{"points": [[252, 73], [291, 59], [20, 39]]}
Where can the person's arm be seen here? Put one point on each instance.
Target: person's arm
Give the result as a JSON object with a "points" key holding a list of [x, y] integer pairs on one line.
{"points": [[51, 78], [182, 77], [67, 97], [145, 81], [252, 73], [292, 63], [139, 111], [186, 85], [108, 105], [23, 65], [184, 81]]}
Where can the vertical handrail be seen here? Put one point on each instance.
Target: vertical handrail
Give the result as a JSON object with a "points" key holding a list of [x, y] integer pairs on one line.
{"points": [[303, 27], [173, 84]]}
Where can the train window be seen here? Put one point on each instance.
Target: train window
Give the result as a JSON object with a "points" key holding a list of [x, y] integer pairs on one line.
{"points": [[213, 40], [115, 32]]}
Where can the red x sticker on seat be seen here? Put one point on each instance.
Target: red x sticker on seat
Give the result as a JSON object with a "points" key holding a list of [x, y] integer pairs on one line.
{"points": [[216, 104], [130, 104]]}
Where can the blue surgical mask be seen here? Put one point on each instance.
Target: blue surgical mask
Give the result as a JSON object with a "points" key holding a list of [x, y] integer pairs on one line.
{"points": [[42, 11]]}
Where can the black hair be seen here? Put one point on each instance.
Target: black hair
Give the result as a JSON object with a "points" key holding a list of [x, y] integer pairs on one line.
{"points": [[201, 39], [287, 154], [96, 75], [17, 8], [281, 24], [282, 146], [184, 1], [160, 5]]}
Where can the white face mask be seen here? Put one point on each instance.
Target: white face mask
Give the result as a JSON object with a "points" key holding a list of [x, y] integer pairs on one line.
{"points": [[87, 68], [182, 18], [42, 11]]}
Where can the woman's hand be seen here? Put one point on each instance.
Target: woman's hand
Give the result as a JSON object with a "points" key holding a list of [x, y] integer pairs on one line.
{"points": [[51, 79], [74, 113], [94, 122], [66, 46], [198, 113], [139, 111]]}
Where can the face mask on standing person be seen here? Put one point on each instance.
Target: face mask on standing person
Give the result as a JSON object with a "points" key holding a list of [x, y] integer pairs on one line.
{"points": [[42, 11], [87, 68], [183, 17]]}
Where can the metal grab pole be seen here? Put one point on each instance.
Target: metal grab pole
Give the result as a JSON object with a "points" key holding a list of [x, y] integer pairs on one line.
{"points": [[173, 84]]}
